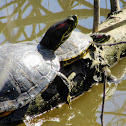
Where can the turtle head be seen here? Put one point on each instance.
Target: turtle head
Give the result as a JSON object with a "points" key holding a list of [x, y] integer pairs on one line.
{"points": [[100, 37], [59, 32]]}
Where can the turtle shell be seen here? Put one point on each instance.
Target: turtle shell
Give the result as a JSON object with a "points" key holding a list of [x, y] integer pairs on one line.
{"points": [[25, 70], [74, 47]]}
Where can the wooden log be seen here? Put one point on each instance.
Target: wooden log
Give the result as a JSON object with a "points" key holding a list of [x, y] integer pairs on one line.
{"points": [[115, 5], [96, 15], [116, 27]]}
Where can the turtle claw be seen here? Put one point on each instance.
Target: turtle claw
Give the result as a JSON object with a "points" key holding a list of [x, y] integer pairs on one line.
{"points": [[68, 100]]}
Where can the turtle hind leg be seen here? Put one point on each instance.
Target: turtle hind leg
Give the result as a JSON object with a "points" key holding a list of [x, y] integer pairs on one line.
{"points": [[64, 88]]}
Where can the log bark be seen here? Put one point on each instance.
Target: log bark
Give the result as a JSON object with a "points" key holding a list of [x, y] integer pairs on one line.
{"points": [[116, 27], [115, 7], [96, 15], [83, 73]]}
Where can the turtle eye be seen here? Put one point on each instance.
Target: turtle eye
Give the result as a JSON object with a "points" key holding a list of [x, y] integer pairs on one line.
{"points": [[74, 17], [70, 20]]}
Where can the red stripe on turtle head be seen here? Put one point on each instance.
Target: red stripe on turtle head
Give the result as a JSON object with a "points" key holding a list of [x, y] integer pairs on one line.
{"points": [[99, 36], [61, 25]]}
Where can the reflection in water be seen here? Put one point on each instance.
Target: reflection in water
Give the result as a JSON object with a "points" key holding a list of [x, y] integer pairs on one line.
{"points": [[115, 110], [23, 20], [28, 20]]}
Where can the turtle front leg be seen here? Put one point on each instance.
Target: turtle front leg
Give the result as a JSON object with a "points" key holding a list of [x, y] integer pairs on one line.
{"points": [[68, 84]]}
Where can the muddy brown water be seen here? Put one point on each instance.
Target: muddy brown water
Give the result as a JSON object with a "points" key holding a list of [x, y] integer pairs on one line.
{"points": [[28, 20]]}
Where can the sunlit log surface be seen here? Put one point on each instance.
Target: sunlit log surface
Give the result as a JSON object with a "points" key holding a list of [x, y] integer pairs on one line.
{"points": [[115, 25]]}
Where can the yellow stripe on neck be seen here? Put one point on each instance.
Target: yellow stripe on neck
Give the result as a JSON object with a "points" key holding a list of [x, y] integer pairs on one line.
{"points": [[61, 41]]}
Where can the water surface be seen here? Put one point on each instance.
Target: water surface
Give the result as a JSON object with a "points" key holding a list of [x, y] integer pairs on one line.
{"points": [[23, 20]]}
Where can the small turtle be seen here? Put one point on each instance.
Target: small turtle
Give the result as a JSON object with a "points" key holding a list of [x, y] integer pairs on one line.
{"points": [[77, 45], [28, 68]]}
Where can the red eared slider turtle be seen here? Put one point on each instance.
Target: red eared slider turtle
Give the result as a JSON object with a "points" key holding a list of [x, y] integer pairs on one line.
{"points": [[27, 69], [77, 45]]}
